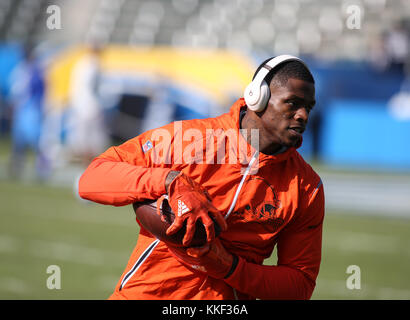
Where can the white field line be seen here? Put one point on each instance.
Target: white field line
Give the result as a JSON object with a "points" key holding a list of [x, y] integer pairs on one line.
{"points": [[56, 252], [374, 195], [338, 288], [102, 220], [61, 251], [8, 244], [107, 282], [65, 251], [14, 285], [78, 254], [366, 242]]}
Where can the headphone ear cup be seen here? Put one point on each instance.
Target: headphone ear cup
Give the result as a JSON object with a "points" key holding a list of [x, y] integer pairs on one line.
{"points": [[263, 98], [257, 98], [251, 96]]}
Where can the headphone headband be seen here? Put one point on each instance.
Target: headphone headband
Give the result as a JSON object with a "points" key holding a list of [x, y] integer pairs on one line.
{"points": [[272, 64], [257, 93]]}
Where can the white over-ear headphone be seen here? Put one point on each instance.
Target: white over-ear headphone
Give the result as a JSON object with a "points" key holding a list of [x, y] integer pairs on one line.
{"points": [[257, 93]]}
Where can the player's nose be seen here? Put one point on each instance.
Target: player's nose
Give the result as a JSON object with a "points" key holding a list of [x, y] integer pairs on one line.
{"points": [[302, 115]]}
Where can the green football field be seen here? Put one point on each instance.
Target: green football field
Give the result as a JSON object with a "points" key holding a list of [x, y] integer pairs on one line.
{"points": [[43, 226]]}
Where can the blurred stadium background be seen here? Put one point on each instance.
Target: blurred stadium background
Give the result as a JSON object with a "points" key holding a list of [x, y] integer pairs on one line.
{"points": [[76, 76]]}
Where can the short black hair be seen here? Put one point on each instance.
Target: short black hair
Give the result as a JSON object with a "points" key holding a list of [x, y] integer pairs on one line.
{"points": [[290, 69]]}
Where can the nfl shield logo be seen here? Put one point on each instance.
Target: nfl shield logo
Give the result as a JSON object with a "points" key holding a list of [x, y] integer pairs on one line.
{"points": [[147, 146]]}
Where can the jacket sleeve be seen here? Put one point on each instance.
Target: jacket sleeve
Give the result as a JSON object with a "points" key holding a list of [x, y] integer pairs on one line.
{"points": [[127, 173], [299, 255]]}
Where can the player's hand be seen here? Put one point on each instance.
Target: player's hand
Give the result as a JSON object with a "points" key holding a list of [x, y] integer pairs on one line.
{"points": [[190, 202], [212, 259]]}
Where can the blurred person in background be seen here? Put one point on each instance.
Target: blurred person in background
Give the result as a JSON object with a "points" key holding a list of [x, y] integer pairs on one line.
{"points": [[378, 57], [87, 135], [27, 90], [397, 47], [399, 103]]}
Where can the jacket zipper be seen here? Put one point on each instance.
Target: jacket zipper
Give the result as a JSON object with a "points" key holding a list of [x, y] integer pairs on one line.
{"points": [[138, 263]]}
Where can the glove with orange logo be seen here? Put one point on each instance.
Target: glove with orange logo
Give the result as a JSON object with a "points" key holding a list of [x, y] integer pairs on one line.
{"points": [[190, 202]]}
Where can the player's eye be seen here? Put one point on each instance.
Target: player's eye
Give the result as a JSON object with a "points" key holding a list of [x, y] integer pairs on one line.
{"points": [[291, 103]]}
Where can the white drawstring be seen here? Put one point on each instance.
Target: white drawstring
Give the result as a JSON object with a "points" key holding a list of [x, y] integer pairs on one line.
{"points": [[235, 198], [238, 190]]}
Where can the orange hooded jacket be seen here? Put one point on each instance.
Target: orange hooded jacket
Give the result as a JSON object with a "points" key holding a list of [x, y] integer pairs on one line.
{"points": [[267, 200]]}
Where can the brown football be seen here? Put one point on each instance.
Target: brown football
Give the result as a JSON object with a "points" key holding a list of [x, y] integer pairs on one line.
{"points": [[146, 213]]}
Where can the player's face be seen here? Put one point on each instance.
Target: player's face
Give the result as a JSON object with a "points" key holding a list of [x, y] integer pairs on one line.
{"points": [[286, 116]]}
